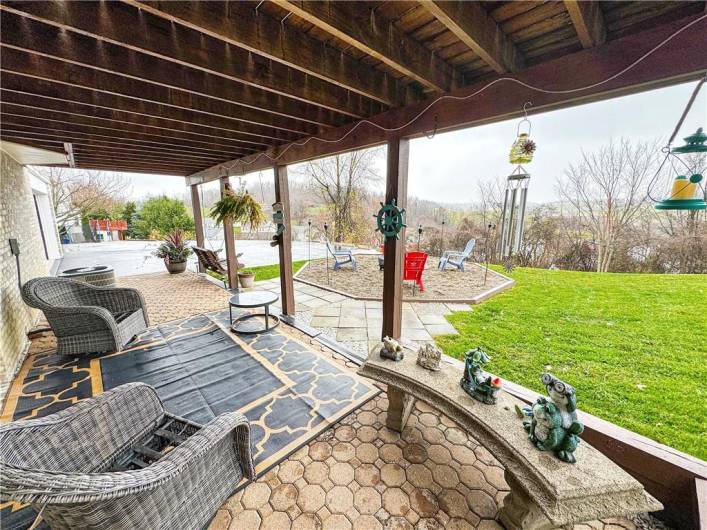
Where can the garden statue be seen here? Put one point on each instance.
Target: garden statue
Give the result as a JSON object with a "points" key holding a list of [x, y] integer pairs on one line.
{"points": [[391, 349], [552, 424], [477, 383], [429, 357]]}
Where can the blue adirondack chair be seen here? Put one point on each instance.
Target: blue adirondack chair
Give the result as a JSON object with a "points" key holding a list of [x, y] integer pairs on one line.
{"points": [[456, 259], [341, 256]]}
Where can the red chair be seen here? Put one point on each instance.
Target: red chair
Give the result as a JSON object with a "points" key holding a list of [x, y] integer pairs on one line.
{"points": [[414, 267]]}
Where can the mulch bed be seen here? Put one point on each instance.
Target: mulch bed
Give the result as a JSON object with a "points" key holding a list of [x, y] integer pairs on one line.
{"points": [[367, 280]]}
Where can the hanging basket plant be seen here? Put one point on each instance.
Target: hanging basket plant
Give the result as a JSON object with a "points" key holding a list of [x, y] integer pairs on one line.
{"points": [[238, 207]]}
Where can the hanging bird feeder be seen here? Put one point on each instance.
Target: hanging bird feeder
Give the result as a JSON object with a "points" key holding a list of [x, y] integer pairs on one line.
{"points": [[686, 192]]}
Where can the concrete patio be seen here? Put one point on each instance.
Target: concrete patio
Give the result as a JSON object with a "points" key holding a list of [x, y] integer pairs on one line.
{"points": [[358, 474]]}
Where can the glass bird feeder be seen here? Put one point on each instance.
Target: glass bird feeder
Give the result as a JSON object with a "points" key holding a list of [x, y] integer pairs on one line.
{"points": [[685, 193]]}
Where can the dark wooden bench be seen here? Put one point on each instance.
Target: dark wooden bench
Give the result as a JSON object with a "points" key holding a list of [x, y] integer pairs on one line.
{"points": [[545, 492]]}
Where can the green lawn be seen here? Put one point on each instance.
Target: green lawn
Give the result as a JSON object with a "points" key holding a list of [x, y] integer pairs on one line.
{"points": [[633, 345], [264, 272]]}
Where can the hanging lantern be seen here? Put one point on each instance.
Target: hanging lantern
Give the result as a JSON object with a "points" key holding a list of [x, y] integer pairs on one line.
{"points": [[523, 148], [686, 191]]}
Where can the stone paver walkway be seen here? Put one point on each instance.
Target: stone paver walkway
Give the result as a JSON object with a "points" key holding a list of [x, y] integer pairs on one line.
{"points": [[359, 474], [357, 323]]}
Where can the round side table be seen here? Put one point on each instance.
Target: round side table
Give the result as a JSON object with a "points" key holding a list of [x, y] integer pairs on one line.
{"points": [[250, 300]]}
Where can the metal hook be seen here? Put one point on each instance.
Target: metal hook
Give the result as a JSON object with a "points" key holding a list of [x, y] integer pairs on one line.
{"points": [[525, 118]]}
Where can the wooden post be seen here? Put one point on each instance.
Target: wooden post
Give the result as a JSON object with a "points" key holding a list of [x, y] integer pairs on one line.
{"points": [[198, 221], [287, 287], [395, 188], [229, 243]]}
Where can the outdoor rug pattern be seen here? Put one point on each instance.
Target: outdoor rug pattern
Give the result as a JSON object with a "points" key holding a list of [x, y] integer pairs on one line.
{"points": [[200, 369]]}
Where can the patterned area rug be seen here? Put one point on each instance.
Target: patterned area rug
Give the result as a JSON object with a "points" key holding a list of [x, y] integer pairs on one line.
{"points": [[200, 369]]}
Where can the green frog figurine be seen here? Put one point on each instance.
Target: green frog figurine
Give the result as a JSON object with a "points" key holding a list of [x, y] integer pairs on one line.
{"points": [[477, 383], [552, 424]]}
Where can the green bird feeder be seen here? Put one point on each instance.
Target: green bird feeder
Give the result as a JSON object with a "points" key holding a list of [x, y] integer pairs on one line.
{"points": [[684, 194]]}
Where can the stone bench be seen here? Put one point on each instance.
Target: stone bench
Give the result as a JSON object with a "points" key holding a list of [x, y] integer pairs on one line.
{"points": [[545, 492]]}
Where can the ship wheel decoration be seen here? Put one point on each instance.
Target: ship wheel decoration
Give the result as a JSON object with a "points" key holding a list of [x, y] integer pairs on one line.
{"points": [[391, 219]]}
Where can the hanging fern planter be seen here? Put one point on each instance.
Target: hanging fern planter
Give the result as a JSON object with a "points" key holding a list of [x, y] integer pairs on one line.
{"points": [[238, 207]]}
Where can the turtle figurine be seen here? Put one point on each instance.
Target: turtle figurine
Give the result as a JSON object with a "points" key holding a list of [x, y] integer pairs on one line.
{"points": [[392, 349], [477, 383], [552, 424]]}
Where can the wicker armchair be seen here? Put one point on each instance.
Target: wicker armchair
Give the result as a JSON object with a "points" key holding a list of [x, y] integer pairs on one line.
{"points": [[85, 318], [63, 464]]}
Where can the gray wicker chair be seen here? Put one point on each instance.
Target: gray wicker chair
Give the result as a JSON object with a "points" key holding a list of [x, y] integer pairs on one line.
{"points": [[62, 464], [87, 319]]}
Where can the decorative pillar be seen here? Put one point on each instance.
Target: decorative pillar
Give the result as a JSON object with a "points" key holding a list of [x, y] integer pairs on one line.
{"points": [[229, 242], [395, 188], [198, 220], [287, 287]]}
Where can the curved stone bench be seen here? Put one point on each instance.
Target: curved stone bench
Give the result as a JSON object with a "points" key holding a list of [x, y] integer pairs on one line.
{"points": [[545, 492]]}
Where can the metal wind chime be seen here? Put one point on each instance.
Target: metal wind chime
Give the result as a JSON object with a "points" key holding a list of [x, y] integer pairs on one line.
{"points": [[513, 213]]}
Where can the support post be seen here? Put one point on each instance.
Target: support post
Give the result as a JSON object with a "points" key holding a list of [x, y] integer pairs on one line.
{"points": [[395, 188], [229, 243], [287, 287], [198, 220]]}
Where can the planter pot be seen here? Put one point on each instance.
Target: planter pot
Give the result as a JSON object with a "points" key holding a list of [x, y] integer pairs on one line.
{"points": [[246, 279], [176, 267]]}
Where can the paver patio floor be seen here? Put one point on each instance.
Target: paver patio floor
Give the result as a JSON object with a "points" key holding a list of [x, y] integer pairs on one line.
{"points": [[358, 474]]}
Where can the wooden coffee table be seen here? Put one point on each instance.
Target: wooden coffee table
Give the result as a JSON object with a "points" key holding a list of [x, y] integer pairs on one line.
{"points": [[250, 300]]}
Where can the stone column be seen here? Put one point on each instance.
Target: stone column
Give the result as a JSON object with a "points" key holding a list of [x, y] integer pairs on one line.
{"points": [[400, 405], [519, 512]]}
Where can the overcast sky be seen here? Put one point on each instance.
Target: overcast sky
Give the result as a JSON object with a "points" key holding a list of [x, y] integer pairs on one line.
{"points": [[447, 167]]}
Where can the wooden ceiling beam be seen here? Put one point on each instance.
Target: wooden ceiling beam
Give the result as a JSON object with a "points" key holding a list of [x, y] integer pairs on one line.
{"points": [[247, 121], [51, 42], [64, 111], [358, 26], [678, 60], [470, 23], [122, 144], [109, 102], [39, 128], [239, 24], [166, 143], [123, 25], [588, 21]]}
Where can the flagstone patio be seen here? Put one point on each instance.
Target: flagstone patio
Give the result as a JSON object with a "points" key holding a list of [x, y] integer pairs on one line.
{"points": [[358, 474]]}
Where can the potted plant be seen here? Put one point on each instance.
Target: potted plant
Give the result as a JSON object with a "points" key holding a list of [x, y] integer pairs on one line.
{"points": [[246, 277], [239, 207], [174, 251]]}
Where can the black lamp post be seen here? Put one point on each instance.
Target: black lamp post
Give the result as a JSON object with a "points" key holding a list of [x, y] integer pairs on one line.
{"points": [[309, 239], [442, 236], [419, 236], [489, 227], [326, 237]]}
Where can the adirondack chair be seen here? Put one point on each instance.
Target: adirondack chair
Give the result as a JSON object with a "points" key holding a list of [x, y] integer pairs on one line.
{"points": [[342, 256], [209, 260], [413, 269], [456, 259]]}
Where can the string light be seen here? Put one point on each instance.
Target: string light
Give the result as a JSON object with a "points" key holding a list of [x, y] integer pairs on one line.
{"points": [[472, 95]]}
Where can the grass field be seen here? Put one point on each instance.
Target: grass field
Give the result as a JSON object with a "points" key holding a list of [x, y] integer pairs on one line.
{"points": [[264, 272], [634, 346]]}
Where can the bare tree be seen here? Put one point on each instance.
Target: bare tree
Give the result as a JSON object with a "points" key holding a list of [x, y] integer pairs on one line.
{"points": [[341, 182], [606, 189], [76, 192]]}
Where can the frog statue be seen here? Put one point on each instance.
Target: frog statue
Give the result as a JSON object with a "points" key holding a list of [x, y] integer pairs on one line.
{"points": [[477, 383], [392, 349], [552, 424]]}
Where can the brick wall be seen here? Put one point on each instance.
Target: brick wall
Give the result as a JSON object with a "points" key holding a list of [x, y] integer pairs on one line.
{"points": [[18, 219]]}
